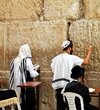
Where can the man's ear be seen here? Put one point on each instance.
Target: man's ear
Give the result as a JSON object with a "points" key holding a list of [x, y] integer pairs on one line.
{"points": [[69, 50]]}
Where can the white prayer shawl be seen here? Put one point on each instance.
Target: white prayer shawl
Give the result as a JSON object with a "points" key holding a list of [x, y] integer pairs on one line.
{"points": [[61, 67], [16, 74]]}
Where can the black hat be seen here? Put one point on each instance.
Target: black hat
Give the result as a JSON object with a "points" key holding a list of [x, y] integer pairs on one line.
{"points": [[77, 72]]}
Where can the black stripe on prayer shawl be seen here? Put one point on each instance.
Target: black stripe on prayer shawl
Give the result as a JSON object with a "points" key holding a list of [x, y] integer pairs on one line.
{"points": [[11, 74], [23, 69]]}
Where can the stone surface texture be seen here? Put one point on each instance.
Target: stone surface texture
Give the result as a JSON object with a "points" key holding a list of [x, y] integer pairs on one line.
{"points": [[92, 9], [23, 9], [44, 38], [44, 24], [66, 9], [87, 32]]}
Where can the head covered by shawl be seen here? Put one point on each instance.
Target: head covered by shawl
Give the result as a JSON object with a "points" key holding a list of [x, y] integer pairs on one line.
{"points": [[16, 76], [24, 51]]}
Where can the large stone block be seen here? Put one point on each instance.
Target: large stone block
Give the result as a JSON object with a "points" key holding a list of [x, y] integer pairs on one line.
{"points": [[92, 9], [4, 79], [92, 79], [47, 94], [44, 38], [63, 9], [83, 33], [2, 45], [21, 9]]}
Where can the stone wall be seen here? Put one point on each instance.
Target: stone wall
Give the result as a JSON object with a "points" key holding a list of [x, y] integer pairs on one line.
{"points": [[44, 24]]}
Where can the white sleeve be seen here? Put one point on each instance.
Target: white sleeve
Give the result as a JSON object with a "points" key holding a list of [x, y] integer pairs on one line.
{"points": [[30, 68], [77, 60], [52, 65]]}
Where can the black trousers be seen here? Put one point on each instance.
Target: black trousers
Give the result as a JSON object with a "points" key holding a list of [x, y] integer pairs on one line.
{"points": [[61, 105], [28, 99]]}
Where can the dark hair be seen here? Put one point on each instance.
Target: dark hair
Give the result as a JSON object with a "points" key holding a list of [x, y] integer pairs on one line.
{"points": [[70, 45], [77, 71]]}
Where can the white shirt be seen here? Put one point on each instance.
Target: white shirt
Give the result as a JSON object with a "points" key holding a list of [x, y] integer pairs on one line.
{"points": [[61, 67], [30, 68]]}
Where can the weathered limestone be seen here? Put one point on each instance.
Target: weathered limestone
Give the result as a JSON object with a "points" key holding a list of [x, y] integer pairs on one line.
{"points": [[47, 94], [92, 9], [2, 47], [83, 33], [60, 9], [4, 78], [44, 38], [92, 79], [21, 9], [63, 9]]}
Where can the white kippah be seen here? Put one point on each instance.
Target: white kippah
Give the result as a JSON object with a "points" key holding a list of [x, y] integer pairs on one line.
{"points": [[65, 44]]}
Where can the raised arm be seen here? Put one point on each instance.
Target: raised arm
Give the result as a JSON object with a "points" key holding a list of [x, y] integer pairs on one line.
{"points": [[87, 58]]}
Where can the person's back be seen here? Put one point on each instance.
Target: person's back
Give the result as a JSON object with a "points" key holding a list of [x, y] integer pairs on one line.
{"points": [[76, 86], [62, 64], [61, 68], [19, 66], [80, 89], [22, 71]]}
